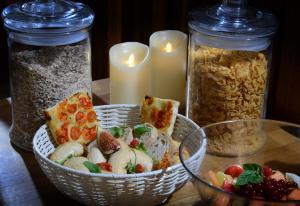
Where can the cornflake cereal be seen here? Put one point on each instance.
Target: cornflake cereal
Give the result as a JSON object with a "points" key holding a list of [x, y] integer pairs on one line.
{"points": [[226, 85]]}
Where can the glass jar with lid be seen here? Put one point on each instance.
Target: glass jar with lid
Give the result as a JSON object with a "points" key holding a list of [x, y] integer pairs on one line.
{"points": [[50, 59], [229, 61]]}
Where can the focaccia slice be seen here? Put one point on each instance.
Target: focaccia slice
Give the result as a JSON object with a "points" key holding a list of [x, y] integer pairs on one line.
{"points": [[73, 120], [160, 112]]}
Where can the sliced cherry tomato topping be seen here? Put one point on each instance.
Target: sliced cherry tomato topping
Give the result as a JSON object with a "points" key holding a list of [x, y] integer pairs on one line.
{"points": [[139, 168], [63, 104], [86, 133], [93, 132], [234, 170], [79, 115], [72, 108], [91, 116], [105, 166], [161, 118], [85, 102], [65, 125], [75, 133], [63, 116], [134, 143], [89, 133], [80, 118], [62, 135]]}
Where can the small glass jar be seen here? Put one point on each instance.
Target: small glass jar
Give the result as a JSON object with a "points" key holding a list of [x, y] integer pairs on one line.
{"points": [[50, 59], [229, 61]]}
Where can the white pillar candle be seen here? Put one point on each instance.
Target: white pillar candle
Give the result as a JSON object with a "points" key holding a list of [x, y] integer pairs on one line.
{"points": [[129, 73], [168, 51]]}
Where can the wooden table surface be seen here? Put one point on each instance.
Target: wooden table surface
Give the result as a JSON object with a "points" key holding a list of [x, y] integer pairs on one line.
{"points": [[22, 182]]}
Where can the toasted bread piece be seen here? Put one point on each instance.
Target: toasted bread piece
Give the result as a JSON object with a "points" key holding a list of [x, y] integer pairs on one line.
{"points": [[73, 120], [160, 112]]}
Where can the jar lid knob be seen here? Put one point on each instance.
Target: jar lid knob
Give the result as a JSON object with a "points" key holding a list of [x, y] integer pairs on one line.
{"points": [[233, 18]]}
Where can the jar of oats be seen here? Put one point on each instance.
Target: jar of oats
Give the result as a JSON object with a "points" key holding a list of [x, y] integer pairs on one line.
{"points": [[50, 59], [229, 61]]}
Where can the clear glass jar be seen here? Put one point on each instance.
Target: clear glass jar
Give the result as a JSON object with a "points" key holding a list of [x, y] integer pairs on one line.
{"points": [[229, 61], [50, 59]]}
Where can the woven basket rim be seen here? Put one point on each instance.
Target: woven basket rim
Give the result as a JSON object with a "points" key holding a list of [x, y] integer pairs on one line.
{"points": [[113, 175]]}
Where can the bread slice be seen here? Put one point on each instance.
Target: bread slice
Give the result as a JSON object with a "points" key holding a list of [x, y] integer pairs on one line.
{"points": [[73, 120], [160, 112]]}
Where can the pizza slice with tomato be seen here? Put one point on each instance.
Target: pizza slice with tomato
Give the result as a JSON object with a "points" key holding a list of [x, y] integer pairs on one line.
{"points": [[73, 120], [160, 112]]}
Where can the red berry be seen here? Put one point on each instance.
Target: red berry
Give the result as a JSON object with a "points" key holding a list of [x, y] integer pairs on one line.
{"points": [[267, 171], [105, 166], [228, 187], [139, 168], [134, 143], [234, 170]]}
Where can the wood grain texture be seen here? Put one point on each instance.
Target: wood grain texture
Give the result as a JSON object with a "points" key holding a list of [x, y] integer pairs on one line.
{"points": [[134, 20]]}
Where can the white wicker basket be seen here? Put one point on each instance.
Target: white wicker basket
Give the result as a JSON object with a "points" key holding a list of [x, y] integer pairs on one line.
{"points": [[148, 188]]}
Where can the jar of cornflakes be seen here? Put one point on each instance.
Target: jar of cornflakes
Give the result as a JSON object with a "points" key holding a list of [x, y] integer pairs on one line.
{"points": [[229, 61]]}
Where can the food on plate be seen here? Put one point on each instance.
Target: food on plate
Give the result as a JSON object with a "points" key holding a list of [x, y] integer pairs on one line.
{"points": [[159, 112], [256, 182], [73, 120], [66, 151], [119, 149]]}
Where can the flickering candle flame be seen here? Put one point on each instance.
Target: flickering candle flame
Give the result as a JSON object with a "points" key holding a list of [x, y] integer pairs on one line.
{"points": [[130, 61], [168, 47]]}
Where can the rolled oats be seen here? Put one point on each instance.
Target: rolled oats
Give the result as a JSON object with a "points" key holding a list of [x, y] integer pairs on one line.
{"points": [[40, 78]]}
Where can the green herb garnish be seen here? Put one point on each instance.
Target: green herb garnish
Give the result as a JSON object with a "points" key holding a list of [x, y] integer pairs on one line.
{"points": [[130, 167], [92, 167], [252, 174], [141, 147], [117, 131], [141, 129]]}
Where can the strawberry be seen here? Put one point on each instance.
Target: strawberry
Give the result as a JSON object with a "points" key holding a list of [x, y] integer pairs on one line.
{"points": [[234, 170]]}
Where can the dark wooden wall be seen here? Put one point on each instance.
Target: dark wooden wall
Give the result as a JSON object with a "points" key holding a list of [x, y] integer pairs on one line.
{"points": [[134, 20]]}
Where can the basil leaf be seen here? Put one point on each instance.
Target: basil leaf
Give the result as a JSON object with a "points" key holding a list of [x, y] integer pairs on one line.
{"points": [[92, 167], [247, 177], [252, 174], [253, 166], [141, 147], [117, 131], [141, 129]]}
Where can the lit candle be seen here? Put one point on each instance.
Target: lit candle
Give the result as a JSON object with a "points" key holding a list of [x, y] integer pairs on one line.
{"points": [[168, 50], [129, 73]]}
